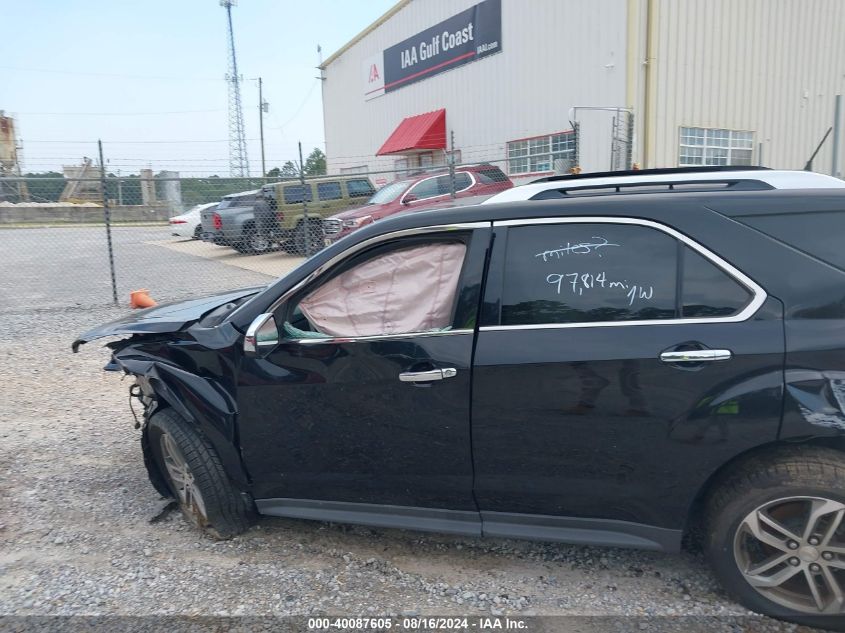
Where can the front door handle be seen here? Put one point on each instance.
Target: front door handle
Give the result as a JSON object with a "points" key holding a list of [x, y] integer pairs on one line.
{"points": [[696, 356], [428, 376]]}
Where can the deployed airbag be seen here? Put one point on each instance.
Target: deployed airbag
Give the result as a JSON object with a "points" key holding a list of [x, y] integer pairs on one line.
{"points": [[407, 290]]}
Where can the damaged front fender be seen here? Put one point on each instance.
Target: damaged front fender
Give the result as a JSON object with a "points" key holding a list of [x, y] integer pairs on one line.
{"points": [[203, 401]]}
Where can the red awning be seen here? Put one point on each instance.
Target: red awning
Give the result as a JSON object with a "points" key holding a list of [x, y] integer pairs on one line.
{"points": [[423, 131]]}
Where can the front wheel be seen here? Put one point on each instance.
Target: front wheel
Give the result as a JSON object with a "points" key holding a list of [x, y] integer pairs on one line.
{"points": [[195, 476], [776, 536], [307, 238]]}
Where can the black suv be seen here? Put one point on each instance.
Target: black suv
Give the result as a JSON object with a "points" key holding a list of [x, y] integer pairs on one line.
{"points": [[623, 369]]}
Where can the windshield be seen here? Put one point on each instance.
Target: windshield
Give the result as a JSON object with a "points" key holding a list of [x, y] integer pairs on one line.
{"points": [[390, 192]]}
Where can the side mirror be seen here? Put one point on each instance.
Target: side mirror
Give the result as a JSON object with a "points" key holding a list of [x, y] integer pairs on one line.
{"points": [[409, 199], [262, 335]]}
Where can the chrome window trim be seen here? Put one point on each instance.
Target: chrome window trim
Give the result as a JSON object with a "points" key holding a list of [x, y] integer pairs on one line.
{"points": [[472, 183], [352, 250], [374, 337], [759, 295]]}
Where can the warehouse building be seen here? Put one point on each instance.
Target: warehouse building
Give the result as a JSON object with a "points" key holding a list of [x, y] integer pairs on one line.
{"points": [[539, 86]]}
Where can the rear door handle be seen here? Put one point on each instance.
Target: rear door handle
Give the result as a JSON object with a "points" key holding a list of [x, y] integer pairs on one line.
{"points": [[428, 376], [696, 356]]}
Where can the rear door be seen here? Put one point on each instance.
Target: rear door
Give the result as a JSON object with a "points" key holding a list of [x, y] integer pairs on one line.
{"points": [[618, 364]]}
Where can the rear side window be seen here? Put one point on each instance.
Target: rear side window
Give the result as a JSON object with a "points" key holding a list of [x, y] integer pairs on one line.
{"points": [[297, 193], [490, 176], [329, 191], [360, 188], [818, 234], [587, 273], [577, 273]]}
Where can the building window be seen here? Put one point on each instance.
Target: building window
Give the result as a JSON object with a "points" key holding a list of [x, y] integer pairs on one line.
{"points": [[539, 154], [713, 146]]}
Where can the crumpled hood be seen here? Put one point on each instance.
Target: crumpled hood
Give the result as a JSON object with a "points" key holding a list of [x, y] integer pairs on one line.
{"points": [[169, 317]]}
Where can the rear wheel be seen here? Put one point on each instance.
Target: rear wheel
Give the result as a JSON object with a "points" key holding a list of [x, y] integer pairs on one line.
{"points": [[776, 536], [196, 477], [198, 232], [252, 242]]}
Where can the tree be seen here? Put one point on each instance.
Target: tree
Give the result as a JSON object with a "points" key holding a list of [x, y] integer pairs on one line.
{"points": [[315, 164], [288, 170]]}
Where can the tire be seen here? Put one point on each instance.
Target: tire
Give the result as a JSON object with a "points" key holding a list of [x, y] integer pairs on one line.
{"points": [[198, 232], [252, 242], [782, 516], [209, 501], [313, 235]]}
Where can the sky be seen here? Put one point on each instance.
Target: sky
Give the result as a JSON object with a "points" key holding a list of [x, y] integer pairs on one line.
{"points": [[148, 78]]}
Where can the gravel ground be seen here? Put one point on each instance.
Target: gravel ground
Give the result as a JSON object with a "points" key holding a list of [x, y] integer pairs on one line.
{"points": [[76, 536]]}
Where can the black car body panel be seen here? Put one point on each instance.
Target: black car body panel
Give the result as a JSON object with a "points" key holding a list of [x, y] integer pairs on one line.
{"points": [[512, 446], [165, 318]]}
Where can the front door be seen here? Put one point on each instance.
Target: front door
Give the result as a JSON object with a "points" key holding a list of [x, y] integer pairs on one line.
{"points": [[366, 399], [618, 367]]}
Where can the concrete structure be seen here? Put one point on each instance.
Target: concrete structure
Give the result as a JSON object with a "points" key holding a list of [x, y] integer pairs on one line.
{"points": [[11, 188], [707, 82], [49, 214]]}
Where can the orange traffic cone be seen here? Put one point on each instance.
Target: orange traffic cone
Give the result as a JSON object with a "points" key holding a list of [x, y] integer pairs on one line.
{"points": [[140, 299]]}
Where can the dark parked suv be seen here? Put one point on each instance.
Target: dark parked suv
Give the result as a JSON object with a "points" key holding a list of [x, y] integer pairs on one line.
{"points": [[624, 369]]}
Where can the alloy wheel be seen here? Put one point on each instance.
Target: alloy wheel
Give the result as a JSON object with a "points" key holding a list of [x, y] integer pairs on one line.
{"points": [[182, 479], [258, 243], [792, 551]]}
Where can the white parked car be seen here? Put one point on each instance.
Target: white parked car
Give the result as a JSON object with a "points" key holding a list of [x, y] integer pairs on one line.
{"points": [[189, 224], [669, 179]]}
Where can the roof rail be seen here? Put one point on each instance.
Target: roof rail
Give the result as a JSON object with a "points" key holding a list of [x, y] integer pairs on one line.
{"points": [[648, 172], [679, 186]]}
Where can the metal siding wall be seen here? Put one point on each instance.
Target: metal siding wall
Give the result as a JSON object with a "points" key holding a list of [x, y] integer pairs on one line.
{"points": [[746, 64], [554, 56]]}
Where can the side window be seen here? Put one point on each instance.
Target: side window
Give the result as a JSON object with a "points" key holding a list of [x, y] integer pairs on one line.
{"points": [[576, 273], [329, 191], [583, 273], [429, 188], [707, 290], [362, 188], [398, 291], [297, 193], [462, 181]]}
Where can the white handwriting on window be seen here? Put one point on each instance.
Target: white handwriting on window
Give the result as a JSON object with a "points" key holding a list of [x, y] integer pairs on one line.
{"points": [[579, 282], [582, 248]]}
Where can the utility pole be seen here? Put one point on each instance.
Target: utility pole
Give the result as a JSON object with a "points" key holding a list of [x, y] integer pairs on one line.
{"points": [[263, 107]]}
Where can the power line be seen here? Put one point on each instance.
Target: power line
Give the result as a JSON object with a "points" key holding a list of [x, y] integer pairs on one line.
{"points": [[120, 75], [115, 113]]}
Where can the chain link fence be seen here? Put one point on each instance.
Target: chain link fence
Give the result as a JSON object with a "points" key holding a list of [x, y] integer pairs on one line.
{"points": [[88, 238]]}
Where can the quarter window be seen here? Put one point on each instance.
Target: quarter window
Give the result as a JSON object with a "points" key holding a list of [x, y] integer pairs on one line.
{"points": [[715, 146], [329, 191], [587, 273], [541, 153], [707, 290]]}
